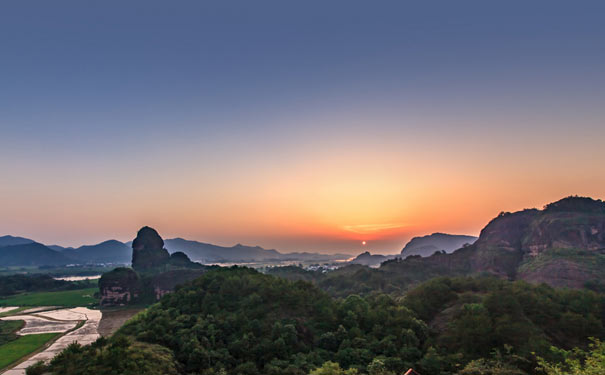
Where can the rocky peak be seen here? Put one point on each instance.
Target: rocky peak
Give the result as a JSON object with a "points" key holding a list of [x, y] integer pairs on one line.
{"points": [[148, 250], [147, 239], [576, 204], [507, 230]]}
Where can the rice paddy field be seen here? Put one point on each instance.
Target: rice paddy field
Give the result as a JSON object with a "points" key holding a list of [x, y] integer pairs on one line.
{"points": [[68, 298], [23, 346]]}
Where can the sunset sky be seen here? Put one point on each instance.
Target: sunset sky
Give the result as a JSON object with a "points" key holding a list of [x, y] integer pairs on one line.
{"points": [[300, 126]]}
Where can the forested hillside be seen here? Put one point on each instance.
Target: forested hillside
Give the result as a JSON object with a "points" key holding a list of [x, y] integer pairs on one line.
{"points": [[239, 321]]}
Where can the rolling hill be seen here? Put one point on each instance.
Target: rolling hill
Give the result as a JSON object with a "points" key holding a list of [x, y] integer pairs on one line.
{"points": [[110, 251], [113, 251], [209, 253], [31, 254], [11, 241], [427, 245]]}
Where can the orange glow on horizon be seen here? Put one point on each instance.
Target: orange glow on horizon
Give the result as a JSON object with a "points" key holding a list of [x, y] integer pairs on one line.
{"points": [[314, 199]]}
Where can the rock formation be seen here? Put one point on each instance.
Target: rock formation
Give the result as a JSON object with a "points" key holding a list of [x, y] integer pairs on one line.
{"points": [[119, 287], [148, 250], [154, 272], [562, 245]]}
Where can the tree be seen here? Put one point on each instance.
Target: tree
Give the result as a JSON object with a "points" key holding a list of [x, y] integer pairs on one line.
{"points": [[332, 368], [377, 367], [577, 361], [498, 364]]}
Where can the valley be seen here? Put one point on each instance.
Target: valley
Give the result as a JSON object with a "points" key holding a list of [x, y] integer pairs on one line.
{"points": [[437, 314]]}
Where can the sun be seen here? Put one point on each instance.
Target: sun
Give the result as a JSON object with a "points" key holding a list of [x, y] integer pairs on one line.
{"points": [[363, 242]]}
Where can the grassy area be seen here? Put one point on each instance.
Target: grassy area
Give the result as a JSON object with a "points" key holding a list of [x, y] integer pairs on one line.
{"points": [[68, 298], [8, 329], [24, 345]]}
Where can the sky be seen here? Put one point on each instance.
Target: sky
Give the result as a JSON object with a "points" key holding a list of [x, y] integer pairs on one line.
{"points": [[300, 126]]}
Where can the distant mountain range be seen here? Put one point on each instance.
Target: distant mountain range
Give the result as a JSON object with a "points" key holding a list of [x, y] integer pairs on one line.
{"points": [[19, 251], [371, 260], [11, 241], [31, 254], [208, 253], [423, 246], [111, 251]]}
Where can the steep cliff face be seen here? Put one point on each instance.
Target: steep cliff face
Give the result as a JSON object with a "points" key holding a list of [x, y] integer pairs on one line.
{"points": [[565, 245], [567, 227], [119, 287], [562, 245], [498, 249]]}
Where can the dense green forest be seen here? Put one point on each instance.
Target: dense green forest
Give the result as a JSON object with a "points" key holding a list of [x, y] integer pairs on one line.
{"points": [[353, 279], [239, 321]]}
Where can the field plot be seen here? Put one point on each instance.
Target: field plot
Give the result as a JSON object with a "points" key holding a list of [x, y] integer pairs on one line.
{"points": [[7, 309], [52, 323], [36, 325], [21, 347], [68, 298]]}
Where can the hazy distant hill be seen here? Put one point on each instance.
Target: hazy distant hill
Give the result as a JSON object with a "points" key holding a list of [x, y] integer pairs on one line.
{"points": [[368, 259], [11, 241], [427, 245], [31, 254], [59, 248], [424, 246], [26, 252], [111, 251], [208, 253]]}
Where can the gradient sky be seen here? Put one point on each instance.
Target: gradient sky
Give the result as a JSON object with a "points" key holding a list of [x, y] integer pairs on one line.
{"points": [[301, 126]]}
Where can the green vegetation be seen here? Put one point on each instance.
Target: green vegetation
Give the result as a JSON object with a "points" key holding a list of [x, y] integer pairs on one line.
{"points": [[69, 298], [22, 346], [394, 277], [121, 356], [241, 321], [238, 321], [473, 317], [14, 311], [578, 362], [592, 262], [331, 368], [8, 329], [14, 284]]}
